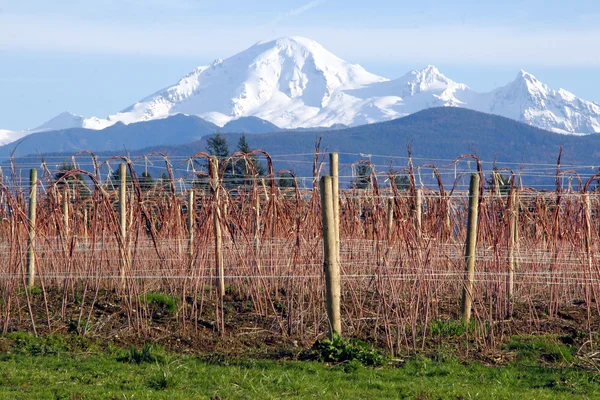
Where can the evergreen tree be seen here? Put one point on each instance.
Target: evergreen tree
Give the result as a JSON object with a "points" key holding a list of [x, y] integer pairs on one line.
{"points": [[496, 178], [402, 182], [286, 180], [243, 146], [363, 177], [245, 168], [217, 146], [164, 181], [146, 182], [76, 182]]}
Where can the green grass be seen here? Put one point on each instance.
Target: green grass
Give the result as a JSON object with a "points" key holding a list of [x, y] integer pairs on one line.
{"points": [[88, 373], [160, 299], [530, 349], [450, 328]]}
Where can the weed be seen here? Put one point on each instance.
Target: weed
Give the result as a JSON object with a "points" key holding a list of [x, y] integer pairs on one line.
{"points": [[148, 354], [445, 353], [162, 381], [419, 365], [162, 300], [27, 344], [32, 290], [339, 350], [451, 328]]}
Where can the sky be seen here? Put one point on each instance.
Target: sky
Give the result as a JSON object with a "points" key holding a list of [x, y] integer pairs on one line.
{"points": [[95, 58]]}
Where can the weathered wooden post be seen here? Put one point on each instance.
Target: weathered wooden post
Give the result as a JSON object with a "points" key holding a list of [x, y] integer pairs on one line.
{"points": [[588, 228], [85, 221], [191, 225], [330, 262], [418, 217], [214, 175], [257, 226], [447, 223], [513, 208], [335, 182], [66, 211], [31, 227], [123, 219], [419, 214], [467, 293], [390, 221], [588, 249]]}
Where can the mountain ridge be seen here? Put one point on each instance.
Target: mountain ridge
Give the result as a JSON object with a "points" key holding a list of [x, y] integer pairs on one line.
{"points": [[294, 82], [436, 135]]}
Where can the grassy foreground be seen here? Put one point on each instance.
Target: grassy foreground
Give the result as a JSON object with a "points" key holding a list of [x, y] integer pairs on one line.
{"points": [[49, 369]]}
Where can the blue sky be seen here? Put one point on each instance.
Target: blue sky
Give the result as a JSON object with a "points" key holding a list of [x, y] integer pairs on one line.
{"points": [[98, 57]]}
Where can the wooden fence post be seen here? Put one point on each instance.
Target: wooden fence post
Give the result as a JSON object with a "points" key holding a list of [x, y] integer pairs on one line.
{"points": [[467, 293], [419, 214], [512, 232], [31, 227], [214, 174], [335, 193], [66, 212], [589, 253], [123, 219], [390, 221], [191, 225], [85, 221], [257, 226], [447, 224], [330, 263]]}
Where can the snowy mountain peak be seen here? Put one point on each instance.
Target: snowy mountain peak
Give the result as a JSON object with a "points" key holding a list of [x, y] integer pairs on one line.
{"points": [[528, 82], [526, 75], [295, 82], [293, 43], [430, 72], [528, 100], [430, 79], [63, 120], [287, 81]]}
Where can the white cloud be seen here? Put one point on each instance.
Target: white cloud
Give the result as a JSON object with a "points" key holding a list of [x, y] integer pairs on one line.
{"points": [[296, 11], [459, 45]]}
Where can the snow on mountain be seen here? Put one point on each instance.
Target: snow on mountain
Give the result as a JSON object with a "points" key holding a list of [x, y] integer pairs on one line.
{"points": [[528, 100], [294, 82], [415, 91], [63, 120], [7, 136], [290, 82]]}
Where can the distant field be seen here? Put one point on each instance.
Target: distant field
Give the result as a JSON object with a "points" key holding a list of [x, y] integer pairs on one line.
{"points": [[48, 368]]}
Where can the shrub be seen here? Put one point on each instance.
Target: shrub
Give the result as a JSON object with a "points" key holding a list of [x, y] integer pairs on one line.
{"points": [[339, 350]]}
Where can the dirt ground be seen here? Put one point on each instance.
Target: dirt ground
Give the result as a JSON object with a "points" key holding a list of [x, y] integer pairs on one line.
{"points": [[112, 319]]}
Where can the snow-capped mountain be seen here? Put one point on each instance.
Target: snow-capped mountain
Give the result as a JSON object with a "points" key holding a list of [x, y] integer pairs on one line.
{"points": [[528, 100], [63, 120], [291, 82], [295, 83]]}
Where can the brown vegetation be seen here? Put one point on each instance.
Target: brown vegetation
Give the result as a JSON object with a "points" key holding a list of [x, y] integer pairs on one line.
{"points": [[397, 280]]}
